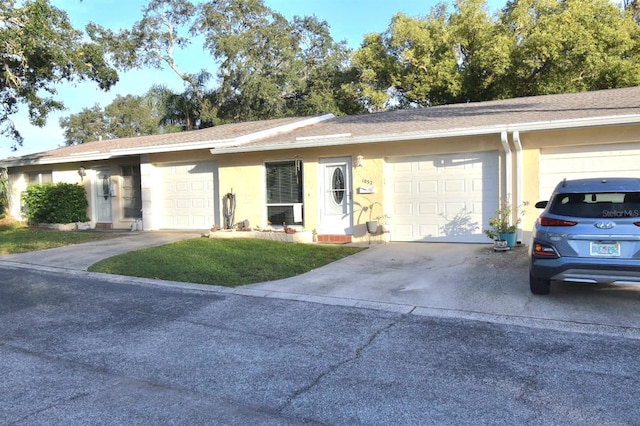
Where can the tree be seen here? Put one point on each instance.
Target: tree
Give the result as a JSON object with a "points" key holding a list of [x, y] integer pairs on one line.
{"points": [[4, 191], [632, 7], [326, 73], [270, 67], [90, 124], [152, 42], [159, 110], [267, 66], [131, 116], [483, 49], [532, 47], [569, 46], [413, 63], [40, 49]]}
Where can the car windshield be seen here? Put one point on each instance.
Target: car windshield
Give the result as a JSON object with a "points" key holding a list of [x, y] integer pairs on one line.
{"points": [[597, 204]]}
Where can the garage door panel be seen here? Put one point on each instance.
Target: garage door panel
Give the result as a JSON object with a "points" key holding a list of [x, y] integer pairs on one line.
{"points": [[452, 209], [402, 188], [189, 198], [578, 162], [426, 187], [429, 230], [451, 186], [427, 209], [454, 198], [400, 209]]}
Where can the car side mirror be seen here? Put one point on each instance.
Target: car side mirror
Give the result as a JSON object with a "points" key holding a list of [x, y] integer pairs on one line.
{"points": [[541, 204]]}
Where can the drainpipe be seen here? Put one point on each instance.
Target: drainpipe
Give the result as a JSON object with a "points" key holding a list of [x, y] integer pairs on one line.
{"points": [[519, 176], [508, 163]]}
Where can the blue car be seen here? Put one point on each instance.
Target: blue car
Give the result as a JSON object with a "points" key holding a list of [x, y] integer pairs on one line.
{"points": [[588, 232]]}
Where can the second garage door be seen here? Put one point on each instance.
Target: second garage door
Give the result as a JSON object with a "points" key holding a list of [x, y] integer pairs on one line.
{"points": [[189, 195], [446, 198], [577, 162]]}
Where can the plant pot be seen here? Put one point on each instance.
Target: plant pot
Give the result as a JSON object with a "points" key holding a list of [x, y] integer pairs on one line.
{"points": [[500, 245], [510, 238], [372, 226]]}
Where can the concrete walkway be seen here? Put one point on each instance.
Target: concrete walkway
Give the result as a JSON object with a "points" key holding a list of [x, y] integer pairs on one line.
{"points": [[435, 279], [79, 257]]}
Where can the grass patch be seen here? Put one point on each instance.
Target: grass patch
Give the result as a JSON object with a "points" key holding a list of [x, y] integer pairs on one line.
{"points": [[19, 238], [229, 263]]}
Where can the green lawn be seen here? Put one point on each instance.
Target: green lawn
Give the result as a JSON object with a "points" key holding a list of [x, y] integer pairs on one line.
{"points": [[17, 238], [227, 263]]}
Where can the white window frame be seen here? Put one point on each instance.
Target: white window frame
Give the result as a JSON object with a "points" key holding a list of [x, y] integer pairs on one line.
{"points": [[299, 206]]}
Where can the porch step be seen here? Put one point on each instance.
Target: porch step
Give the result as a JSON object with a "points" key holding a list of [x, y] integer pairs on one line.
{"points": [[104, 225], [335, 239]]}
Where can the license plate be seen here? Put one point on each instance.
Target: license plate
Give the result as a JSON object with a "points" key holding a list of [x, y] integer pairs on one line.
{"points": [[605, 249]]}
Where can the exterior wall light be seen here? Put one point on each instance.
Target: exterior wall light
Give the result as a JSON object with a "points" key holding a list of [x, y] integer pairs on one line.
{"points": [[359, 161], [82, 172]]}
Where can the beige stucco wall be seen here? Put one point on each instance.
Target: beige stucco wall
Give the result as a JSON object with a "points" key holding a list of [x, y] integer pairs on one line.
{"points": [[68, 173], [243, 173]]}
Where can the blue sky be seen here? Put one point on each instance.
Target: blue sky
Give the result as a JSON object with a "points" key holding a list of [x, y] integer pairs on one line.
{"points": [[349, 20]]}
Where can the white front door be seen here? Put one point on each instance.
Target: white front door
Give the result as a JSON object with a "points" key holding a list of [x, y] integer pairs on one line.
{"points": [[102, 195], [336, 201]]}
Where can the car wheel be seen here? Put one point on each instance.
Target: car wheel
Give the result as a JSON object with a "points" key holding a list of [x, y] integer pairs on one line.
{"points": [[539, 285]]}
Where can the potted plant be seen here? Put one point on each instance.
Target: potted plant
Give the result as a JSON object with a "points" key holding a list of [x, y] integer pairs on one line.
{"points": [[502, 228], [372, 223]]}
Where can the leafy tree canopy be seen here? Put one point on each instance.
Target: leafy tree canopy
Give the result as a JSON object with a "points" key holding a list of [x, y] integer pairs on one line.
{"points": [[158, 111], [267, 67], [39, 49], [259, 65], [531, 47]]}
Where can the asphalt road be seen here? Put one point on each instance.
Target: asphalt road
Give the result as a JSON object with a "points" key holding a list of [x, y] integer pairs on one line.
{"points": [[86, 350]]}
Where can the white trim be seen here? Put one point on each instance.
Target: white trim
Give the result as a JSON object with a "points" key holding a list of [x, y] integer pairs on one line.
{"points": [[575, 122], [428, 134], [237, 145], [214, 145], [338, 135]]}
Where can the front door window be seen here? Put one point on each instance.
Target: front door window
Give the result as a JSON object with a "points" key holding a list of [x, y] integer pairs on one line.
{"points": [[337, 182]]}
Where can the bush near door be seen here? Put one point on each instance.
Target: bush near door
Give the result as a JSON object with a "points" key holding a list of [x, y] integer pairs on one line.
{"points": [[55, 203]]}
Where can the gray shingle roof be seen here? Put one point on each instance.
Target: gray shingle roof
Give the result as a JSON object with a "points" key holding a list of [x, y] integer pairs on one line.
{"points": [[475, 117], [491, 116]]}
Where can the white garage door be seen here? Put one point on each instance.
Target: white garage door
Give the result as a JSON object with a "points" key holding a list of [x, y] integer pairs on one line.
{"points": [[189, 195], [446, 198], [579, 162]]}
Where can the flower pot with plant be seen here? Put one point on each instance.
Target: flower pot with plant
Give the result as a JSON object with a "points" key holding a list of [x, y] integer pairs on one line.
{"points": [[503, 227], [372, 223]]}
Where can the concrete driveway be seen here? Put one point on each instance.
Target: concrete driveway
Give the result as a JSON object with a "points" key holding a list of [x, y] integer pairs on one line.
{"points": [[465, 280], [455, 280]]}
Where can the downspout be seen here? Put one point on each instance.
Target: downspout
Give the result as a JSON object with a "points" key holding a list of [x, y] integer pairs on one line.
{"points": [[519, 177], [508, 164]]}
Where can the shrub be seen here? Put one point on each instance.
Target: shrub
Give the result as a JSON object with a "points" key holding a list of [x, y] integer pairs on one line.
{"points": [[4, 191], [55, 203]]}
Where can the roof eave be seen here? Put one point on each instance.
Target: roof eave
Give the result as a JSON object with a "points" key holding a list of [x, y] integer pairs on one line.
{"points": [[222, 143], [322, 141]]}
